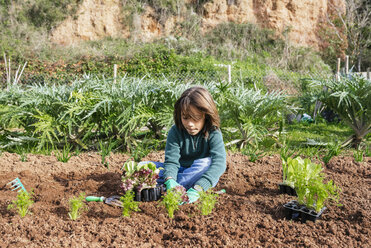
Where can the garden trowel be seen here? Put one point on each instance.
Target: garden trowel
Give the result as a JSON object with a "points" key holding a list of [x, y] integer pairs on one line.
{"points": [[112, 200]]}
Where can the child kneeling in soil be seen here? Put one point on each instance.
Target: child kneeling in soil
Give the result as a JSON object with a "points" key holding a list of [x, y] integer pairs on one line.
{"points": [[195, 155]]}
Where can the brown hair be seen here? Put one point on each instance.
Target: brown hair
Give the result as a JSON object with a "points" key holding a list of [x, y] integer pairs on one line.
{"points": [[202, 100]]}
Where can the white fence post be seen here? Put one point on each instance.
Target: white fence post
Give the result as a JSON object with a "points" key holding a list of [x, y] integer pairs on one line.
{"points": [[337, 76], [114, 73], [229, 71], [229, 74]]}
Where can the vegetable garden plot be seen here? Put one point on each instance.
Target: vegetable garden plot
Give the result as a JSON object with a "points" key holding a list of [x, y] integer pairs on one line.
{"points": [[250, 214]]}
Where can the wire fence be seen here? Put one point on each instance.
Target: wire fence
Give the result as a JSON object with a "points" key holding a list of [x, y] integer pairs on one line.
{"points": [[271, 79]]}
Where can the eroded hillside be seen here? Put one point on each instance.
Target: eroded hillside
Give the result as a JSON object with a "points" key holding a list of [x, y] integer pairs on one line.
{"points": [[96, 19]]}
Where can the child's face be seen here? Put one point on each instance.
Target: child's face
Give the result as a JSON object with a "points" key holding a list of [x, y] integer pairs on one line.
{"points": [[193, 125]]}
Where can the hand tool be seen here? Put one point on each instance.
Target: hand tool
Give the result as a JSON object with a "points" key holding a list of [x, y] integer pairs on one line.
{"points": [[112, 200], [17, 184]]}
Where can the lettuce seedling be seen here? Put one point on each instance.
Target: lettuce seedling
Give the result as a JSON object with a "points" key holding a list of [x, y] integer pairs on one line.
{"points": [[310, 188], [128, 203], [137, 176], [77, 206], [23, 203], [318, 194], [207, 202]]}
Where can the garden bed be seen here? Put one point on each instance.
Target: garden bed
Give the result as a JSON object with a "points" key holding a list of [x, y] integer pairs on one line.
{"points": [[250, 214]]}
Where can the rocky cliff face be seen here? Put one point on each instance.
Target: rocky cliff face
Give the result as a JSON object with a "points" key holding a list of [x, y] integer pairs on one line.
{"points": [[97, 19]]}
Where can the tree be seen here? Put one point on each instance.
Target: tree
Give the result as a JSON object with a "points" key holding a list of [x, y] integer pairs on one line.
{"points": [[356, 23]]}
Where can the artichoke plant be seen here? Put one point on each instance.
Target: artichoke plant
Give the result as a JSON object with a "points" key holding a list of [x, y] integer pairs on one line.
{"points": [[350, 98]]}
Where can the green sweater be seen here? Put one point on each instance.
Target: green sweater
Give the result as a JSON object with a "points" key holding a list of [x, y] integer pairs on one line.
{"points": [[182, 149]]}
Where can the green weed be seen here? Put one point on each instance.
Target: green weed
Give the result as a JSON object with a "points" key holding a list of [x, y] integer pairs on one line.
{"points": [[65, 154], [358, 155], [105, 151]]}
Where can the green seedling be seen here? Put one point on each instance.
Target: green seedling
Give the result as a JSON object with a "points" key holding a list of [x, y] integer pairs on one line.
{"points": [[171, 201], [105, 151], [319, 193], [20, 150], [65, 154], [207, 202], [128, 203], [310, 188], [253, 153], [367, 151], [333, 150], [23, 203], [286, 151], [77, 206], [358, 155]]}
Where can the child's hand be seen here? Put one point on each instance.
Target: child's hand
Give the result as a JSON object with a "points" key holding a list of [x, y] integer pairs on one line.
{"points": [[193, 195], [170, 183]]}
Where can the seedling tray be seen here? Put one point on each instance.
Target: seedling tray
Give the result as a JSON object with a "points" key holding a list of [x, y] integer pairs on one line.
{"points": [[147, 195], [295, 211], [286, 189]]}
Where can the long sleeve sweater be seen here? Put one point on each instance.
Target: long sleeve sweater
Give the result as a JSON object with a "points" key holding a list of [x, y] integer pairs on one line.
{"points": [[182, 149]]}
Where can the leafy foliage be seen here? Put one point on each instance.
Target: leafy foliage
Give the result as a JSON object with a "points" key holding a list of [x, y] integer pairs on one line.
{"points": [[138, 176], [76, 206], [23, 203], [128, 203], [207, 202], [254, 113], [172, 199], [333, 150], [350, 98], [308, 180], [65, 154]]}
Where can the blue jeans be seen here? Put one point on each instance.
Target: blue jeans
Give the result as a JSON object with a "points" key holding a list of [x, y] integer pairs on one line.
{"points": [[187, 177]]}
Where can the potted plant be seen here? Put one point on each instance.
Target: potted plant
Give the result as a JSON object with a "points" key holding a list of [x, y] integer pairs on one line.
{"points": [[142, 179], [312, 194]]}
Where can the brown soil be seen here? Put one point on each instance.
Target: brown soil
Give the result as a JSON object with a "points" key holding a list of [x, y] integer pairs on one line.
{"points": [[250, 214]]}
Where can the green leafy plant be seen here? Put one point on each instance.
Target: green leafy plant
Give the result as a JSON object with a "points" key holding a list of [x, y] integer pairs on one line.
{"points": [[138, 176], [298, 168], [105, 151], [172, 199], [65, 154], [358, 155], [253, 153], [128, 203], [367, 151], [23, 203], [255, 114], [21, 151], [286, 151], [333, 150], [207, 202], [318, 193], [350, 98], [310, 187], [76, 206]]}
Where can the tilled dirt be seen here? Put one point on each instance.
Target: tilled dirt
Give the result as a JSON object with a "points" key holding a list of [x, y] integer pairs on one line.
{"points": [[250, 214]]}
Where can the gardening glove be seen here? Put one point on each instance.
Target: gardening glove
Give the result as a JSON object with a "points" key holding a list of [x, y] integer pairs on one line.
{"points": [[193, 195], [170, 183]]}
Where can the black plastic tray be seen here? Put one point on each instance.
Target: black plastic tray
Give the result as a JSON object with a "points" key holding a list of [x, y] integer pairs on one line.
{"points": [[151, 194], [295, 211], [286, 189]]}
